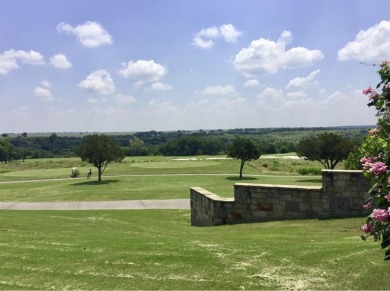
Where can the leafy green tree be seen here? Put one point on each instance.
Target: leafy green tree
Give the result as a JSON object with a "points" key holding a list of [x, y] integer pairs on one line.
{"points": [[7, 151], [99, 150], [244, 150], [136, 146], [327, 148]]}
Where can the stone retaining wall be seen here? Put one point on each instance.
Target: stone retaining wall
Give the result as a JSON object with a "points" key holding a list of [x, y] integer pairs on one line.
{"points": [[342, 195]]}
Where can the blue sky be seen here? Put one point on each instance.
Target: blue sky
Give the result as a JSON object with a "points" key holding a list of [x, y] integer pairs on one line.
{"points": [[100, 65]]}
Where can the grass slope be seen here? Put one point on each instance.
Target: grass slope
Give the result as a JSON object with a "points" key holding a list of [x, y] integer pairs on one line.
{"points": [[152, 249]]}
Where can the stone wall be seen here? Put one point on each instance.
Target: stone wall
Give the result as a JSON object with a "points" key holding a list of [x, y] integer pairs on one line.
{"points": [[342, 194]]}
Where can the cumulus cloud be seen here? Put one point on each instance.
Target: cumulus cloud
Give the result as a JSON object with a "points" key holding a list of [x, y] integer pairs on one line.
{"points": [[369, 45], [44, 91], [296, 95], [251, 83], [218, 90], [143, 71], [205, 38], [159, 86], [265, 56], [271, 95], [337, 98], [60, 61], [90, 33], [9, 59], [99, 81], [123, 99], [303, 82]]}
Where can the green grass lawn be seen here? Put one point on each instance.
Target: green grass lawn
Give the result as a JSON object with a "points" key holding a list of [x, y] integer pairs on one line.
{"points": [[61, 167], [158, 249], [136, 187], [153, 249], [138, 178]]}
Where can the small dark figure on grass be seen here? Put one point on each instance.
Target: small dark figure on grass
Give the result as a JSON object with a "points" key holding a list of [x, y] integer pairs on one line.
{"points": [[89, 174]]}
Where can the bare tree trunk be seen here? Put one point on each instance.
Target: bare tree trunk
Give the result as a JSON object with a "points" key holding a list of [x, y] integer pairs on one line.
{"points": [[100, 174], [241, 167]]}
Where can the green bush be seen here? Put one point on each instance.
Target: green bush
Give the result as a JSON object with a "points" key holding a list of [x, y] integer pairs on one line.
{"points": [[309, 171]]}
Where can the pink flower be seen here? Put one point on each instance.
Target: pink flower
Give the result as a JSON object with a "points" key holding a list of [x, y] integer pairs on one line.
{"points": [[387, 197], [378, 168], [384, 63], [388, 180], [367, 162], [367, 228], [380, 214], [367, 206], [373, 96], [373, 131], [369, 90]]}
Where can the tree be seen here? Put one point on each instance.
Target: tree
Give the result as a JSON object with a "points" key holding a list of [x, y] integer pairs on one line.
{"points": [[136, 146], [327, 148], [99, 150], [244, 150], [53, 137], [7, 151]]}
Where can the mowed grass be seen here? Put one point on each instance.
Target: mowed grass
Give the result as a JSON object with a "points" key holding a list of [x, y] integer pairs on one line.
{"points": [[135, 187], [133, 179], [155, 249], [32, 169], [158, 249]]}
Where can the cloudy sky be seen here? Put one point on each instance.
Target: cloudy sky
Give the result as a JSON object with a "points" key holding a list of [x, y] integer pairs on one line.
{"points": [[140, 65]]}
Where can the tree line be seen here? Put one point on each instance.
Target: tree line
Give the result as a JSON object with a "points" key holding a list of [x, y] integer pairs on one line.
{"points": [[174, 143]]}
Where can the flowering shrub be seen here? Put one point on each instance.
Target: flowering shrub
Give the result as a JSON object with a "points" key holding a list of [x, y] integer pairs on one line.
{"points": [[376, 161]]}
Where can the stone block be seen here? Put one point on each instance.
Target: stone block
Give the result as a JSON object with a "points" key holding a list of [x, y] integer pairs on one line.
{"points": [[221, 213], [291, 206], [264, 206], [260, 214], [259, 195], [235, 215]]}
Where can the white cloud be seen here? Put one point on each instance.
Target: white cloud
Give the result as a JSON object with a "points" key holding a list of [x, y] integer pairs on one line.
{"points": [[265, 56], [205, 38], [143, 71], [369, 45], [60, 61], [303, 82], [296, 94], [125, 99], [229, 33], [159, 86], [271, 93], [90, 33], [162, 108], [99, 81], [218, 90], [92, 100], [9, 59], [336, 98], [44, 91], [251, 83], [153, 102]]}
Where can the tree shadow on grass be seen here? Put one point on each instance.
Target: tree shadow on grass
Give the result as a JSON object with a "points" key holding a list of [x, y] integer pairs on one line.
{"points": [[91, 183], [236, 178]]}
